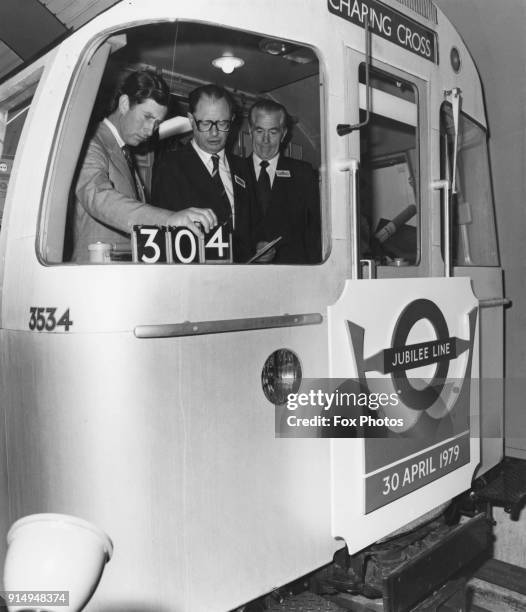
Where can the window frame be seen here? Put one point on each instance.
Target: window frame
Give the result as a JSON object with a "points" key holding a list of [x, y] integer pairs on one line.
{"points": [[19, 89], [390, 73], [444, 156], [51, 227]]}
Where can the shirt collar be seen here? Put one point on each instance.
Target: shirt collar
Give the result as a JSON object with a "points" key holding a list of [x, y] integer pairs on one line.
{"points": [[272, 163], [115, 132], [205, 156]]}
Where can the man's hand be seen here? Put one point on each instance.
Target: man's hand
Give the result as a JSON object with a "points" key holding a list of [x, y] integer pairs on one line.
{"points": [[268, 256], [194, 219]]}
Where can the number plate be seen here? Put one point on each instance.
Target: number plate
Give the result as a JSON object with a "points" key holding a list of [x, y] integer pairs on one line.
{"points": [[184, 246], [218, 246], [154, 244], [149, 244]]}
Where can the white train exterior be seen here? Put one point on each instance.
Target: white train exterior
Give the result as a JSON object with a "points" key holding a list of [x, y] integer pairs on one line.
{"points": [[164, 437]]}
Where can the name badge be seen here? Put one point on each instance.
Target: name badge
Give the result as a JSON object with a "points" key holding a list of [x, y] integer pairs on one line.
{"points": [[283, 173], [239, 181]]}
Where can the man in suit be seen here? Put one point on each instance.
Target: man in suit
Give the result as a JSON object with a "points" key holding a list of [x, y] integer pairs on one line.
{"points": [[109, 192], [204, 174], [287, 191]]}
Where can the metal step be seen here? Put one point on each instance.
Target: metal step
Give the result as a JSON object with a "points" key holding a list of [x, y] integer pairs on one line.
{"points": [[507, 488]]}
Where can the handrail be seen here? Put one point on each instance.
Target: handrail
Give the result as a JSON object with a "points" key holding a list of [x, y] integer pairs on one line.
{"points": [[444, 186], [352, 166], [200, 328], [494, 302]]}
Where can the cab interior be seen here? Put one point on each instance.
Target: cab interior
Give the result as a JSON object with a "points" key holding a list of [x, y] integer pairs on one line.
{"points": [[183, 53]]}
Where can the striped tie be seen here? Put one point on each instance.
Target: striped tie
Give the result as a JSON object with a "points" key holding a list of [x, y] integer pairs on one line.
{"points": [[216, 177]]}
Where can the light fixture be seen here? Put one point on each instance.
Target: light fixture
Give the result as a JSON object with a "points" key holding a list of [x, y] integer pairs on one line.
{"points": [[273, 46], [281, 375], [228, 62], [454, 58]]}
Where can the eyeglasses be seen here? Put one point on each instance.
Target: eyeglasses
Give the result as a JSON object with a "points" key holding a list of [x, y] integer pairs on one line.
{"points": [[223, 125]]}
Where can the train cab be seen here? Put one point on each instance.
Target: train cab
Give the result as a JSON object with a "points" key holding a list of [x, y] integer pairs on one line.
{"points": [[176, 399]]}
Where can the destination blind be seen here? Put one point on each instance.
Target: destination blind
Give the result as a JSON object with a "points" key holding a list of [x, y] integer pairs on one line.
{"points": [[388, 24]]}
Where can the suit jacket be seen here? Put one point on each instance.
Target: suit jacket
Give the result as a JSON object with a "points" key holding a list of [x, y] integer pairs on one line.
{"points": [[293, 213], [106, 207], [181, 180]]}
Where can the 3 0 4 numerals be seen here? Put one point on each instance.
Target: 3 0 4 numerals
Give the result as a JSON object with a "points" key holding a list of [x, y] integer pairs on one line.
{"points": [[46, 319], [158, 244]]}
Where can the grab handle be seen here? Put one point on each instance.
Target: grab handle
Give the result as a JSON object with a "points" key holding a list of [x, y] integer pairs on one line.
{"points": [[444, 186], [352, 166]]}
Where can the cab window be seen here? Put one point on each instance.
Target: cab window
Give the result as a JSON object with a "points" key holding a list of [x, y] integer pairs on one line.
{"points": [[389, 173], [474, 240], [184, 55]]}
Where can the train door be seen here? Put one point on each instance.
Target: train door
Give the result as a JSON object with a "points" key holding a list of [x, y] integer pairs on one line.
{"points": [[407, 335], [395, 220]]}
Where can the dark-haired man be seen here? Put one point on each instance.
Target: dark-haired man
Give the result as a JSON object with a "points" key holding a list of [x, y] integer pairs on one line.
{"points": [[109, 193], [287, 190], [202, 174]]}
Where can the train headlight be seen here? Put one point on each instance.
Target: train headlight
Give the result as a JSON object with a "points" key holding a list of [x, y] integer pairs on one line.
{"points": [[454, 58], [281, 375]]}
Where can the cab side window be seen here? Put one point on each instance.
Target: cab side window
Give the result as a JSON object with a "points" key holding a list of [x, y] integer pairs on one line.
{"points": [[389, 177], [14, 109], [474, 240], [185, 55]]}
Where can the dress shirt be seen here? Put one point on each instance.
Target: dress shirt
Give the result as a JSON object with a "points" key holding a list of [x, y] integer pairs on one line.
{"points": [[115, 132], [224, 172], [271, 168]]}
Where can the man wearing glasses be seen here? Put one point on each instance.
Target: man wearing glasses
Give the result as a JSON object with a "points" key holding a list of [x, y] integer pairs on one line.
{"points": [[204, 175]]}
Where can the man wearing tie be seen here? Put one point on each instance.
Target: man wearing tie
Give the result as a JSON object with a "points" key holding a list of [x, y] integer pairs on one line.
{"points": [[287, 191], [109, 195], [202, 174]]}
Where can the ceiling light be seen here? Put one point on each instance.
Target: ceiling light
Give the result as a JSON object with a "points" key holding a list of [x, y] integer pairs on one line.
{"points": [[273, 47], [228, 62]]}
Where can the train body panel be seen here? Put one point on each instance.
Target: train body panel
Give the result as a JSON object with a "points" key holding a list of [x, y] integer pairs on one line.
{"points": [[188, 484], [133, 392]]}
